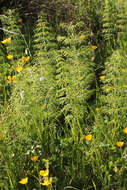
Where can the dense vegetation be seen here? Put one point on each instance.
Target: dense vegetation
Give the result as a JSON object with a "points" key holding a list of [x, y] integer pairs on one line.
{"points": [[63, 95]]}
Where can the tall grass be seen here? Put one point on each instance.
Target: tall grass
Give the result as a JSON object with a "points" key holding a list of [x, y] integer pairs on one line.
{"points": [[63, 98]]}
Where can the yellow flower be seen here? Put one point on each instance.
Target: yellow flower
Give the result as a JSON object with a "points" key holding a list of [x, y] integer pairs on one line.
{"points": [[24, 59], [9, 39], [119, 143], [10, 56], [18, 69], [82, 37], [1, 136], [27, 58], [24, 180], [125, 130], [124, 86], [11, 79], [34, 158], [47, 181], [107, 89], [98, 109], [94, 47], [124, 70], [102, 77], [6, 40], [20, 20], [44, 173], [88, 137]]}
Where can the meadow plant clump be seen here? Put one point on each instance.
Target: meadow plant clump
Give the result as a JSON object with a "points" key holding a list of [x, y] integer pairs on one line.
{"points": [[63, 121]]}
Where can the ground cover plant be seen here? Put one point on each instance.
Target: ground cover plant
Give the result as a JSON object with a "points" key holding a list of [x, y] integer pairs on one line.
{"points": [[63, 94]]}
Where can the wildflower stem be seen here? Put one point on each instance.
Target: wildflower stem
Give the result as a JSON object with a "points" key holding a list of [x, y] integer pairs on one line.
{"points": [[9, 31], [25, 43], [27, 187]]}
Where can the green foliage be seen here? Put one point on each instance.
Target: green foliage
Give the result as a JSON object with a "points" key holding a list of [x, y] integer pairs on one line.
{"points": [[75, 74], [110, 120], [109, 23], [12, 45], [3, 79], [13, 29], [44, 45], [121, 23], [114, 90], [68, 106]]}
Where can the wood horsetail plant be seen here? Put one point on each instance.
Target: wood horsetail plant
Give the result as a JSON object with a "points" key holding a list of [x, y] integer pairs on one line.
{"points": [[44, 45], [75, 76]]}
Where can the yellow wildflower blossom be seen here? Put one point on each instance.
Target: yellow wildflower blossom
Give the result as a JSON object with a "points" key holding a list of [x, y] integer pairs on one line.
{"points": [[24, 59], [19, 69], [119, 143], [10, 57], [125, 130], [34, 158], [1, 136], [20, 20], [107, 89], [24, 180], [94, 47], [88, 137], [44, 173], [124, 86], [124, 70], [102, 77], [6, 40], [27, 58], [11, 79], [47, 181], [98, 109], [9, 39]]}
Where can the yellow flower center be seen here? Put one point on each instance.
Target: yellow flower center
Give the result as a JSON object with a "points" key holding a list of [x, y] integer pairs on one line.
{"points": [[10, 57], [125, 130], [1, 136], [102, 77], [44, 173], [20, 20], [34, 158], [11, 79], [24, 180], [98, 109], [119, 143], [124, 70], [94, 47], [18, 69], [88, 137], [47, 181]]}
